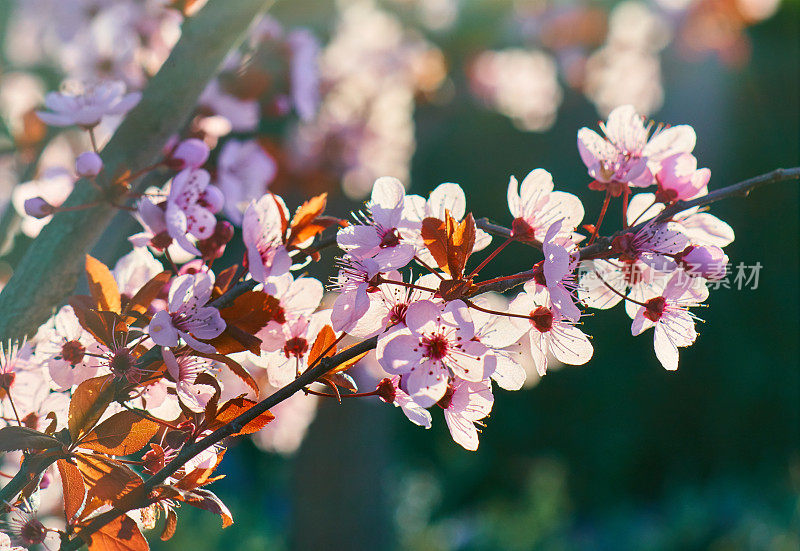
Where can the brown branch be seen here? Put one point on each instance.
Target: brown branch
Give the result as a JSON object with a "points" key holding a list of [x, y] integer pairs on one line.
{"points": [[191, 450]]}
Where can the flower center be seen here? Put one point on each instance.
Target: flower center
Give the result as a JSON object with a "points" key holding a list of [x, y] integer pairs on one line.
{"points": [[542, 319], [296, 346], [654, 308], [72, 352], [390, 238], [122, 364], [398, 313], [538, 274], [447, 399], [32, 532], [436, 346]]}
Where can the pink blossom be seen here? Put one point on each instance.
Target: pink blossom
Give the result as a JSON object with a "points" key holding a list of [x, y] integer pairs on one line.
{"points": [[187, 315], [353, 281], [191, 205], [536, 206], [379, 236], [388, 304], [680, 179], [38, 207], [548, 331], [436, 342], [628, 154], [241, 114], [54, 186], [656, 244], [87, 107], [135, 269], [69, 352], [184, 369], [24, 386], [606, 282], [704, 261], [262, 232], [669, 314], [701, 228], [153, 218], [559, 272], [287, 345], [465, 403], [499, 334], [390, 392], [244, 170]]}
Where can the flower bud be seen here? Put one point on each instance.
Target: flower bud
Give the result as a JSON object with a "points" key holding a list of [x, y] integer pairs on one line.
{"points": [[191, 153], [88, 164], [213, 247], [704, 261], [38, 207]]}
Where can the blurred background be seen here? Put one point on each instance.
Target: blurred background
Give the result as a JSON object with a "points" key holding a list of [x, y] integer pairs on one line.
{"points": [[614, 455]]}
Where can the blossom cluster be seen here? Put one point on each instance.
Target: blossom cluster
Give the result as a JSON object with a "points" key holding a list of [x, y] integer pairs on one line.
{"points": [[168, 348]]}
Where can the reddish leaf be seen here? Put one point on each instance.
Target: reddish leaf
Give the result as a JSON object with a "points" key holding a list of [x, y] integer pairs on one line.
{"points": [[200, 476], [88, 403], [170, 524], [121, 534], [248, 314], [102, 285], [348, 364], [74, 489], [22, 438], [224, 279], [231, 409], [450, 242], [434, 235], [140, 302], [325, 343], [106, 479], [208, 501], [123, 433]]}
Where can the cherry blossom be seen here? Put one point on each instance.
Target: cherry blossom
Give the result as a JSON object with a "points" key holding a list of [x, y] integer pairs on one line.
{"points": [[705, 261], [680, 179], [242, 115], [559, 272], [354, 279], [244, 170], [500, 335], [262, 232], [629, 154], [191, 153], [535, 206], [191, 205], [86, 107], [465, 403], [669, 314], [436, 342], [549, 331], [88, 164], [390, 392], [606, 282], [69, 352], [379, 237], [287, 346], [656, 244], [184, 369], [135, 269], [187, 315], [54, 186], [304, 73]]}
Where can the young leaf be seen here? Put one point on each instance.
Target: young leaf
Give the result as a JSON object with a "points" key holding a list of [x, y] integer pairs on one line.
{"points": [[102, 285], [121, 534], [170, 524], [306, 223], [435, 237], [208, 501], [231, 409], [123, 433], [106, 480], [140, 302], [324, 343], [88, 403], [22, 438], [248, 314], [74, 490]]}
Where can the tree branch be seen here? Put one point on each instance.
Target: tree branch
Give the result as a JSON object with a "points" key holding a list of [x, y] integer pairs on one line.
{"points": [[50, 269], [191, 450]]}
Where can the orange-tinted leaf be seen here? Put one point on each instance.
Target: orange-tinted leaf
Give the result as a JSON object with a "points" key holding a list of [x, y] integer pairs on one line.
{"points": [[224, 279], [348, 364], [231, 409], [121, 534], [462, 243], [434, 235], [102, 285], [305, 224], [200, 475], [23, 438], [106, 479], [123, 433], [140, 302], [208, 501], [325, 343], [74, 490], [248, 314], [88, 403], [453, 289], [170, 524]]}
